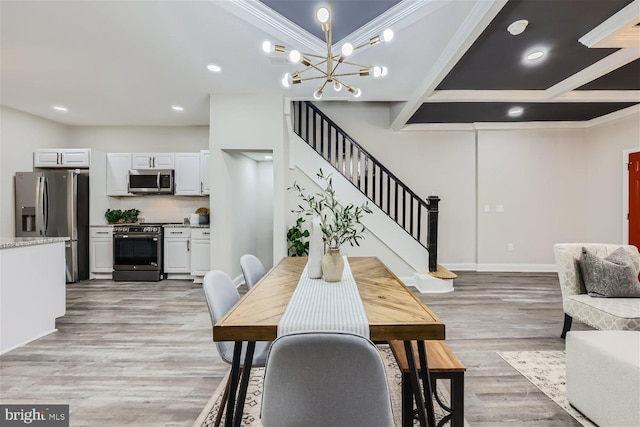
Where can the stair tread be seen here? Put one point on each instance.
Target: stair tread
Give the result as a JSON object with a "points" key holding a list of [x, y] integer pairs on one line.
{"points": [[443, 273]]}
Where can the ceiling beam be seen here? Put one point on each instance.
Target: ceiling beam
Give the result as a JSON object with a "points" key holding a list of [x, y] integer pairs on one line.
{"points": [[533, 96], [480, 16]]}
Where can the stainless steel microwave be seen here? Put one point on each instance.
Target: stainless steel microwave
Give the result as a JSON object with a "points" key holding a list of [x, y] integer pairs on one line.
{"points": [[151, 181]]}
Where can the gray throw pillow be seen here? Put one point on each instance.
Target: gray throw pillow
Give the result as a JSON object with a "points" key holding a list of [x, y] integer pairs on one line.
{"points": [[612, 276]]}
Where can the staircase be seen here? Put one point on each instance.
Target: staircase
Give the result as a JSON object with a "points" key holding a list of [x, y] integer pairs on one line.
{"points": [[416, 216]]}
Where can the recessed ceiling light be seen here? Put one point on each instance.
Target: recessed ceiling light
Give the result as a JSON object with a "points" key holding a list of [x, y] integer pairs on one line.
{"points": [[214, 68], [515, 111], [60, 108], [517, 27], [535, 55], [267, 157], [177, 108]]}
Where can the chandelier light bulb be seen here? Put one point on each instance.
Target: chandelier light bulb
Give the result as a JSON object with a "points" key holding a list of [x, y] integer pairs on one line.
{"points": [[387, 35], [347, 49], [286, 80], [377, 71], [357, 93], [266, 46], [384, 72], [337, 86], [323, 15], [317, 95], [294, 56]]}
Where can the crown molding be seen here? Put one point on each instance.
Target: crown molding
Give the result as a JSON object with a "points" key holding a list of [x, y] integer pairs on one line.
{"points": [[619, 30], [271, 22]]}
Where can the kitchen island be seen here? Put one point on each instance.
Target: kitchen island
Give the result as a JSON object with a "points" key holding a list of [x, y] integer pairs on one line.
{"points": [[32, 288]]}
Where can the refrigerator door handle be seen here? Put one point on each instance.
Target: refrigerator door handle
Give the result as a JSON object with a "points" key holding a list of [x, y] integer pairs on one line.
{"points": [[39, 207], [45, 198]]}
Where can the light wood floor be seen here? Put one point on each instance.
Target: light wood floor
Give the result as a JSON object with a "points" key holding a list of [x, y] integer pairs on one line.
{"points": [[140, 354]]}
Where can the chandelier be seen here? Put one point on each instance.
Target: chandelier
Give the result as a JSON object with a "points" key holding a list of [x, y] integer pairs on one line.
{"points": [[324, 68]]}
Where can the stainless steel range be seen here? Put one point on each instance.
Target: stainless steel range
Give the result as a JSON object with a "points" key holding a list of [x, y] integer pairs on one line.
{"points": [[137, 252]]}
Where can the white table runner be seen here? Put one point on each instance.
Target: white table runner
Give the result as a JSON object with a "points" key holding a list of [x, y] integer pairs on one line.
{"points": [[320, 306]]}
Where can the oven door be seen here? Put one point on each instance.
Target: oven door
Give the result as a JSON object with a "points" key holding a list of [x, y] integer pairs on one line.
{"points": [[138, 251]]}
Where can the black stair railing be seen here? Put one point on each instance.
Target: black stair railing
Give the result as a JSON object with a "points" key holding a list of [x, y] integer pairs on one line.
{"points": [[369, 176]]}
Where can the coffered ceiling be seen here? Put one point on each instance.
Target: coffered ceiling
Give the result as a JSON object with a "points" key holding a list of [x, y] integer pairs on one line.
{"points": [[450, 62]]}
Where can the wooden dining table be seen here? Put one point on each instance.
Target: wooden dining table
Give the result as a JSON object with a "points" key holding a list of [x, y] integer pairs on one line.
{"points": [[393, 312]]}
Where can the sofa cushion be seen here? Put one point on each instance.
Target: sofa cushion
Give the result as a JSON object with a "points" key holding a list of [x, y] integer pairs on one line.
{"points": [[612, 276]]}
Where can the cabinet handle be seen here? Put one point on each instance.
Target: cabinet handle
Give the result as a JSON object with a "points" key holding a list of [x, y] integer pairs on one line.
{"points": [[201, 187], [175, 232], [61, 158], [154, 162], [150, 164], [57, 158], [206, 232], [102, 232], [188, 245]]}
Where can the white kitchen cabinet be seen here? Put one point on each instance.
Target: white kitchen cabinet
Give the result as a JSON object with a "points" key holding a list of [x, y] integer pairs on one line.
{"points": [[101, 252], [118, 165], [200, 252], [62, 158], [205, 168], [177, 250], [187, 174], [153, 161]]}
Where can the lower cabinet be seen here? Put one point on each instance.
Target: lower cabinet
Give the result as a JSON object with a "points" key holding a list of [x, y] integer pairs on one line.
{"points": [[101, 253], [200, 251], [186, 252], [177, 256]]}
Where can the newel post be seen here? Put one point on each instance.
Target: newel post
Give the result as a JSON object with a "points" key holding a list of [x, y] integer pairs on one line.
{"points": [[432, 231]]}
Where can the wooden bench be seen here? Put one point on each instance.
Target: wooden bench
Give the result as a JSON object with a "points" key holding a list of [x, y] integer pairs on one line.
{"points": [[443, 364]]}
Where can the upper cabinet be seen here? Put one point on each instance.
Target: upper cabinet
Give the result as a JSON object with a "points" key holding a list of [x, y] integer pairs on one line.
{"points": [[191, 171], [153, 161], [205, 189], [62, 158], [118, 165], [187, 175]]}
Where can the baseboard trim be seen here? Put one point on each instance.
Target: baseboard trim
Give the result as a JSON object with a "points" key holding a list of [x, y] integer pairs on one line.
{"points": [[238, 280], [518, 268], [460, 266], [7, 350]]}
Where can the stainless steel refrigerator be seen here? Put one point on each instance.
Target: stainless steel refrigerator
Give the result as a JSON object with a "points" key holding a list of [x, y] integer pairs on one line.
{"points": [[56, 204]]}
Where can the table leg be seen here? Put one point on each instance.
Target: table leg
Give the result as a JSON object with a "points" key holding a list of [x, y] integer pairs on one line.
{"points": [[415, 384], [426, 383], [242, 394], [235, 370]]}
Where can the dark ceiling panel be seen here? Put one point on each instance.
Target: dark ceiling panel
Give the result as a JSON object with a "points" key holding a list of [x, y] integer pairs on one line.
{"points": [[348, 15], [623, 78], [494, 61], [471, 112]]}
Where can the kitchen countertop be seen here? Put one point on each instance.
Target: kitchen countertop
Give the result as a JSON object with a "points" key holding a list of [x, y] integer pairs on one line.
{"points": [[14, 242]]}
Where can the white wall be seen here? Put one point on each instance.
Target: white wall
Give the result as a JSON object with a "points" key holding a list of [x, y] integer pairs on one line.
{"points": [[264, 213], [243, 122], [138, 139], [538, 176], [605, 167], [20, 135]]}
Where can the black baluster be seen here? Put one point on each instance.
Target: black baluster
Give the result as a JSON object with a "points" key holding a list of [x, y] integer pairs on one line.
{"points": [[411, 215], [366, 176]]}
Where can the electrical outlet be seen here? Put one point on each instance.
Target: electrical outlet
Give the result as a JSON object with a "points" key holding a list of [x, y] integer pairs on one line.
{"points": [[487, 208], [499, 208], [509, 246]]}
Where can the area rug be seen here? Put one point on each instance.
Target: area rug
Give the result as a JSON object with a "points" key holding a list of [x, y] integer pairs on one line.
{"points": [[251, 416], [545, 370]]}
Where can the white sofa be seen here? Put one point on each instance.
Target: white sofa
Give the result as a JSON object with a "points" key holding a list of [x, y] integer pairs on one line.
{"points": [[600, 313], [603, 376]]}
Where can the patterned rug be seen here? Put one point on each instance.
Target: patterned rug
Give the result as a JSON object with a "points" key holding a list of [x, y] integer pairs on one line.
{"points": [[545, 370], [251, 416]]}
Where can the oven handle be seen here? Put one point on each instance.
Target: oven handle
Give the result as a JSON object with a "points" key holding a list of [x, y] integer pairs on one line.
{"points": [[135, 236]]}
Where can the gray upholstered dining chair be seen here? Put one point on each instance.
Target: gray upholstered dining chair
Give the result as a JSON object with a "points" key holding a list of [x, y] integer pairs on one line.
{"points": [[325, 379], [252, 269], [221, 296]]}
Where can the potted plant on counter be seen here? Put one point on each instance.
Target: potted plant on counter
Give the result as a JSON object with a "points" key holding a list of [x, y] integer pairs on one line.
{"points": [[117, 216], [339, 224]]}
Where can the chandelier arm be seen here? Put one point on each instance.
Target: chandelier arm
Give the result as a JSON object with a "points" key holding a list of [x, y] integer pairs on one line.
{"points": [[348, 74], [313, 78], [315, 56], [356, 65]]}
